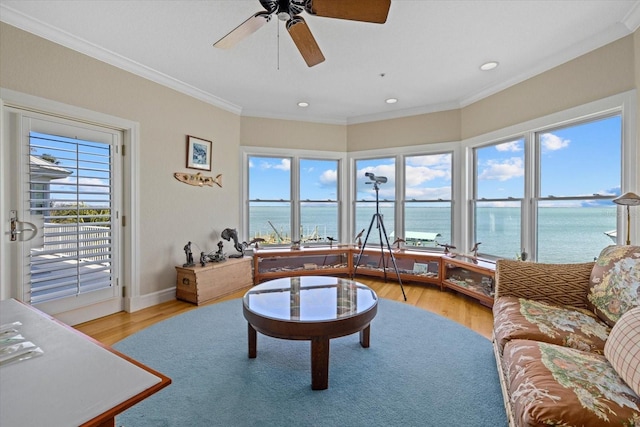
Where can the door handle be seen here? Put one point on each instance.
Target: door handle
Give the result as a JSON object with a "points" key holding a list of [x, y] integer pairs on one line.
{"points": [[15, 231]]}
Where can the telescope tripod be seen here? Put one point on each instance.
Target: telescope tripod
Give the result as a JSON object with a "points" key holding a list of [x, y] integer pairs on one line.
{"points": [[377, 218]]}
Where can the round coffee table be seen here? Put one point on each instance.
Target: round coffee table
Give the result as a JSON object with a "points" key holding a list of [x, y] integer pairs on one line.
{"points": [[315, 308]]}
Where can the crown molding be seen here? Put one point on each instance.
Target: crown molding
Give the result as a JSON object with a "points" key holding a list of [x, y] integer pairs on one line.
{"points": [[614, 33], [632, 19], [48, 32]]}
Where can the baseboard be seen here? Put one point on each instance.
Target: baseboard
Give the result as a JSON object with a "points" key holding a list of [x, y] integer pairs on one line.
{"points": [[90, 312], [149, 300]]}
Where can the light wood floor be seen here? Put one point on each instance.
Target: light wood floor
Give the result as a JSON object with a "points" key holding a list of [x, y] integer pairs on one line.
{"points": [[456, 307]]}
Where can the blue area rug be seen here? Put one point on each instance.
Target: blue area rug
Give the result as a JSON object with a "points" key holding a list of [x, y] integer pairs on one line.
{"points": [[421, 370]]}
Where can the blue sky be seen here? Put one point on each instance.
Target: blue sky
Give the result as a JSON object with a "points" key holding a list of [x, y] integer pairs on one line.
{"points": [[427, 177], [92, 158], [590, 151]]}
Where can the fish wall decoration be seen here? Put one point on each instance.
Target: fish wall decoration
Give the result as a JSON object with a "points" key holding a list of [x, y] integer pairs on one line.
{"points": [[198, 179]]}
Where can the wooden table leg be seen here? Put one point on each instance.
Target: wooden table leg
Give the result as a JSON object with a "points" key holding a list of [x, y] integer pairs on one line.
{"points": [[253, 341], [364, 336], [319, 363]]}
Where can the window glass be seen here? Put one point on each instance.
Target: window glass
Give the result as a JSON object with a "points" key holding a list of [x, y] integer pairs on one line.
{"points": [[319, 208], [270, 199], [427, 208], [500, 170], [497, 228], [590, 151], [269, 178], [575, 231], [580, 174], [499, 179], [365, 207], [270, 221]]}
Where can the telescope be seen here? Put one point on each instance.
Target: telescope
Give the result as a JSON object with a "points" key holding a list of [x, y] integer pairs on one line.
{"points": [[376, 179]]}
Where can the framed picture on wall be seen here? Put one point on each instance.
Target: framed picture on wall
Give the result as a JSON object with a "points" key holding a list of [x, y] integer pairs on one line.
{"points": [[198, 153]]}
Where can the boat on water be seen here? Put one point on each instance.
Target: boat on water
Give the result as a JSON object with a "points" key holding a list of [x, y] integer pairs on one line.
{"points": [[613, 234], [418, 238]]}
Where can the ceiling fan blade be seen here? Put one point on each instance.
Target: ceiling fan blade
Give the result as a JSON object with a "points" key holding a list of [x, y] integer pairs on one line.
{"points": [[375, 11], [304, 40], [243, 30]]}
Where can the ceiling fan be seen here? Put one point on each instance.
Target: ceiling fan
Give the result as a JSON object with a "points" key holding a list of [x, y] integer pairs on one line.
{"points": [[374, 11]]}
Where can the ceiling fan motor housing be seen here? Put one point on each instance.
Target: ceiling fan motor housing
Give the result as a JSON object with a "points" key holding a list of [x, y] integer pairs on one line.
{"points": [[285, 9]]}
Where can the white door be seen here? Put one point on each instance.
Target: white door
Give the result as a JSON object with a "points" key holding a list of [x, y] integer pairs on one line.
{"points": [[65, 216]]}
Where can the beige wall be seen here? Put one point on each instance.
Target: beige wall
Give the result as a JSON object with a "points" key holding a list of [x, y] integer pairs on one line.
{"points": [[273, 133], [442, 126], [636, 54], [171, 213]]}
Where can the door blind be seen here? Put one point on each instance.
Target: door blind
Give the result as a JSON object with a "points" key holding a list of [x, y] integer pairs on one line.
{"points": [[70, 196]]}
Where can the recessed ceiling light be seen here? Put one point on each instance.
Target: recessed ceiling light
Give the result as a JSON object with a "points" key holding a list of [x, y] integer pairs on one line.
{"points": [[303, 104], [391, 100], [489, 65]]}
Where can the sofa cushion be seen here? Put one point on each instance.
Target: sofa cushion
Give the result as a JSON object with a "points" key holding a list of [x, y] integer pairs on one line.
{"points": [[615, 282], [622, 349], [519, 318], [554, 385]]}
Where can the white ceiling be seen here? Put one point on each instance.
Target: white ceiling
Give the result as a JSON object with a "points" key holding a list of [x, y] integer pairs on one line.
{"points": [[428, 51]]}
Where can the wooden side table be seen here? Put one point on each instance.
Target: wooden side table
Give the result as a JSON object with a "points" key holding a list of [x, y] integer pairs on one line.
{"points": [[201, 284]]}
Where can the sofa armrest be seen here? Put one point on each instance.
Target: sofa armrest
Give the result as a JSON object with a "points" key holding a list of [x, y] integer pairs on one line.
{"points": [[563, 284]]}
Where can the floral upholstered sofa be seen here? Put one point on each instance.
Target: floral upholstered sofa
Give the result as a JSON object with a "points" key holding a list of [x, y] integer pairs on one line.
{"points": [[567, 340]]}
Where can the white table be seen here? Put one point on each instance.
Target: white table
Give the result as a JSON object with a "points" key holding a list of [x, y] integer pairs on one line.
{"points": [[76, 382]]}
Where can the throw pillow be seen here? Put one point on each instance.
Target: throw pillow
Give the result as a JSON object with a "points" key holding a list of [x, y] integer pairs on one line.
{"points": [[615, 282], [622, 348]]}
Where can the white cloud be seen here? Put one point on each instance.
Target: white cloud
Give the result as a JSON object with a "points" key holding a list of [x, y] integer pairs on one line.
{"points": [[503, 170], [329, 177], [284, 165], [419, 175], [84, 184], [509, 146], [551, 142], [430, 160]]}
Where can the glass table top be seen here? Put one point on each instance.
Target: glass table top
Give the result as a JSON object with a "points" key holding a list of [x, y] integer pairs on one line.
{"points": [[310, 298]]}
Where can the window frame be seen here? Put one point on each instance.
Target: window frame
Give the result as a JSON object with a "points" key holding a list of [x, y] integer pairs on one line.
{"points": [[623, 104], [296, 155], [400, 154]]}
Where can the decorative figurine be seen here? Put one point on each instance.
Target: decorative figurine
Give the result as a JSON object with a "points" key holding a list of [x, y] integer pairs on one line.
{"points": [[295, 245], [397, 242], [189, 255], [474, 249], [219, 255], [256, 241], [231, 233], [358, 238], [446, 248], [203, 259], [330, 239]]}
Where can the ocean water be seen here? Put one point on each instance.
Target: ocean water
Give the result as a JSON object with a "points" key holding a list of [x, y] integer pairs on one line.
{"points": [[565, 234]]}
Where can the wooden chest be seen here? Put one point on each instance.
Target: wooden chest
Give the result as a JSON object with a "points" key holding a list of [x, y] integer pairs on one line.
{"points": [[201, 284]]}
